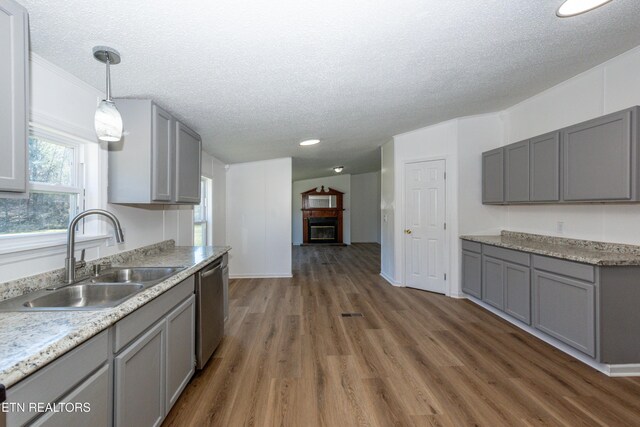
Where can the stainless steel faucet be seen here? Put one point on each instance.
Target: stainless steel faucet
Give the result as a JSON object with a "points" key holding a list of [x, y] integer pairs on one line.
{"points": [[70, 261]]}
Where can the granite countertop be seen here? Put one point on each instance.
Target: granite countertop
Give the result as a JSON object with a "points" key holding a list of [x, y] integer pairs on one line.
{"points": [[585, 251], [30, 340]]}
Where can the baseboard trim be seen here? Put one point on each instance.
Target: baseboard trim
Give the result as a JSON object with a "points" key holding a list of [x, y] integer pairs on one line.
{"points": [[458, 296], [260, 276], [391, 281], [628, 370]]}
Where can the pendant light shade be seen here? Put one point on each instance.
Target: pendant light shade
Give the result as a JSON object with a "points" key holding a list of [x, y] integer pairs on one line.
{"points": [[107, 120]]}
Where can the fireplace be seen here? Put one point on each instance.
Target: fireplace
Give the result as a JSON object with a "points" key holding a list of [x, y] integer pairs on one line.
{"points": [[322, 216], [322, 230]]}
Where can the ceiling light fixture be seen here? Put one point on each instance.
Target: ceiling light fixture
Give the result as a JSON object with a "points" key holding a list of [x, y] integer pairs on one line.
{"points": [[107, 121], [310, 142], [338, 169], [576, 7]]}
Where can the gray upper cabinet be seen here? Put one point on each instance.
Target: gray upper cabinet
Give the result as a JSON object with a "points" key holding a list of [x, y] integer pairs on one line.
{"points": [[599, 158], [163, 152], [188, 153], [157, 161], [14, 96], [516, 170], [545, 168], [493, 176]]}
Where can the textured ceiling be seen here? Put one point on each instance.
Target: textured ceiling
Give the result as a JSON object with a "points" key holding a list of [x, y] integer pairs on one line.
{"points": [[255, 78]]}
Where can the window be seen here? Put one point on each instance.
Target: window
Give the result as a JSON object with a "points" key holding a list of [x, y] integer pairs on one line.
{"points": [[55, 187], [202, 215]]}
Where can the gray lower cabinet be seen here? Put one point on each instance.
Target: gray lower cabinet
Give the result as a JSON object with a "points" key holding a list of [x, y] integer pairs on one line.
{"points": [[599, 158], [565, 309], [472, 273], [517, 292], [545, 168], [493, 282], [91, 400], [14, 96], [493, 176], [140, 380], [516, 172], [181, 343]]}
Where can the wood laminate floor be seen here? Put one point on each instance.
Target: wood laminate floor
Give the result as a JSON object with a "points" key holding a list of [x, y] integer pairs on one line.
{"points": [[415, 359]]}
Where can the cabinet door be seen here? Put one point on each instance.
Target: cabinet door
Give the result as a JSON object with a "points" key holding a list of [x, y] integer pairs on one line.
{"points": [[545, 168], [597, 159], [14, 97], [493, 282], [139, 381], [225, 291], [517, 289], [472, 273], [181, 349], [565, 309], [188, 152], [493, 176], [516, 169], [162, 156], [92, 397]]}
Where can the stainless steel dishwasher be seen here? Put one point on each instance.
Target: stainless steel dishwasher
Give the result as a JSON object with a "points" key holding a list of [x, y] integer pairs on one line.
{"points": [[209, 311]]}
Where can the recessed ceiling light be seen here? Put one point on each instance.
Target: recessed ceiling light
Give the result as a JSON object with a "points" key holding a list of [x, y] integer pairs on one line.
{"points": [[576, 7], [310, 142], [338, 169]]}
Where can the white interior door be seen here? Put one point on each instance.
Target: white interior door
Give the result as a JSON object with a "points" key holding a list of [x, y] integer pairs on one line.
{"points": [[424, 225]]}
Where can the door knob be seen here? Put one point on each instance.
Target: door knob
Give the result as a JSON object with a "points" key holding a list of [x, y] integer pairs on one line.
{"points": [[407, 231]]}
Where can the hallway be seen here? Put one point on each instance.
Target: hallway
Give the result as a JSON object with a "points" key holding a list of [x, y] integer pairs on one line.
{"points": [[414, 358]]}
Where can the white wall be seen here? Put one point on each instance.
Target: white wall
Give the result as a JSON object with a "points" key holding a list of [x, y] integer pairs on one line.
{"points": [[387, 212], [607, 88], [338, 182], [259, 218], [365, 207], [64, 103]]}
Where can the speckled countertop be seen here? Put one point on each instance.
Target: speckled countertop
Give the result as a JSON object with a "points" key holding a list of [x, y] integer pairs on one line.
{"points": [[585, 251], [30, 340]]}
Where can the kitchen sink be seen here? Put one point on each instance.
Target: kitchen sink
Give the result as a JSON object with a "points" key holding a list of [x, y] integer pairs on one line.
{"points": [[95, 295], [135, 274]]}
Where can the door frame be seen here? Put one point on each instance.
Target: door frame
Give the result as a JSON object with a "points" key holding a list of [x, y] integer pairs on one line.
{"points": [[402, 221]]}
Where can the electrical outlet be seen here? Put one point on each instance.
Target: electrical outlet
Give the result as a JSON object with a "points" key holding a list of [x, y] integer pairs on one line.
{"points": [[560, 227]]}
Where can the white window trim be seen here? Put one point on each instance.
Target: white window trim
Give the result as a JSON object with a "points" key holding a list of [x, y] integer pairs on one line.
{"points": [[19, 247], [206, 221]]}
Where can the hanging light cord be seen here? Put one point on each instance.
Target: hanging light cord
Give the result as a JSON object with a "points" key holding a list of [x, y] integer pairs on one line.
{"points": [[108, 78]]}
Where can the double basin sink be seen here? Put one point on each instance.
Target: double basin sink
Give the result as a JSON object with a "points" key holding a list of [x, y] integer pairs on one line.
{"points": [[108, 289]]}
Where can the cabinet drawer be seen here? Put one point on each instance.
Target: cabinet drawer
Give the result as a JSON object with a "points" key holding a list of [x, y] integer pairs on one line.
{"points": [[471, 246], [506, 254], [141, 319], [565, 309], [59, 377], [565, 268]]}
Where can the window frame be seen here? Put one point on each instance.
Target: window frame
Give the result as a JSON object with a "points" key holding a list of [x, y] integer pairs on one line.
{"points": [[205, 202], [28, 240]]}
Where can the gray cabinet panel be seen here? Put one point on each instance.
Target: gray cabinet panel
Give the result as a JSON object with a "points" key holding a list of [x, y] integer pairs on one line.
{"points": [[181, 349], [471, 246], [95, 392], [14, 96], [140, 381], [576, 270], [188, 153], [565, 309], [545, 168], [493, 176], [516, 172], [493, 282], [517, 287], [598, 159], [505, 254], [472, 273], [163, 153]]}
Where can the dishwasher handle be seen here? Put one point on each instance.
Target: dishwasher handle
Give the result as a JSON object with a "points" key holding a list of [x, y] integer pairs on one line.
{"points": [[211, 270]]}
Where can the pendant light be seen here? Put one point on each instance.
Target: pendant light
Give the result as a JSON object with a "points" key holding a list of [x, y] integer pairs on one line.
{"points": [[107, 121]]}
